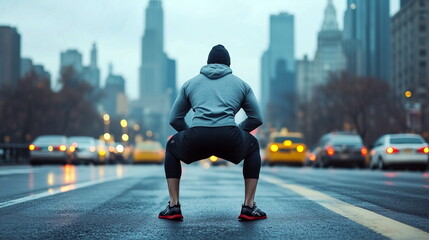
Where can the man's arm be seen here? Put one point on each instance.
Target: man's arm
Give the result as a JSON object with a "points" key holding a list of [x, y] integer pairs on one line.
{"points": [[179, 110], [253, 112]]}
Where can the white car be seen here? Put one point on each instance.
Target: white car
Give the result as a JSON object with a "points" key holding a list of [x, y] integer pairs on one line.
{"points": [[50, 149], [86, 148], [399, 149]]}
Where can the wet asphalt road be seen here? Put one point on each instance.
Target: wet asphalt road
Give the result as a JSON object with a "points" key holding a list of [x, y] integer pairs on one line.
{"points": [[122, 202]]}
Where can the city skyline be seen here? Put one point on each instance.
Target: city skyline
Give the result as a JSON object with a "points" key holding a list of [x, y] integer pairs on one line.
{"points": [[120, 45]]}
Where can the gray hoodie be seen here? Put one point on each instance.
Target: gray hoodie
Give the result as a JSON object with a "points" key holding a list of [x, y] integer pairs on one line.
{"points": [[215, 95]]}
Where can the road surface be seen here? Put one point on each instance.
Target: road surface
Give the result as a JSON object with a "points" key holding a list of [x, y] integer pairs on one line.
{"points": [[123, 201]]}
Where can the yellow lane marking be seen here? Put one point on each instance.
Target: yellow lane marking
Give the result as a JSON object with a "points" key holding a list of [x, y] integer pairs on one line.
{"points": [[383, 225]]}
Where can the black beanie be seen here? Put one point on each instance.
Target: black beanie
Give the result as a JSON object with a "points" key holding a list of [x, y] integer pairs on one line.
{"points": [[219, 54]]}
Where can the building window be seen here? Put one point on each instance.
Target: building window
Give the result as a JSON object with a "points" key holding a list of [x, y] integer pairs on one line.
{"points": [[422, 64], [423, 53], [422, 3], [422, 28]]}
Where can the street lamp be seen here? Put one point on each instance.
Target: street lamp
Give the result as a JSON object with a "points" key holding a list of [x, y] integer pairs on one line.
{"points": [[124, 123], [149, 133], [125, 137], [107, 137], [106, 117], [408, 94]]}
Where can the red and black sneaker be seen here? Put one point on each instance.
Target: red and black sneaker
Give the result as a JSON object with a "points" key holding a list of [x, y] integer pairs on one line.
{"points": [[251, 213], [171, 213]]}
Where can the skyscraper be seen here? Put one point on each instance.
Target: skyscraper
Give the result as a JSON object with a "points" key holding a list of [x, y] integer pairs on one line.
{"points": [[72, 58], [171, 80], [410, 49], [157, 73], [153, 64], [91, 73], [403, 2], [114, 93], [329, 56], [278, 71], [367, 38], [10, 56], [27, 67]]}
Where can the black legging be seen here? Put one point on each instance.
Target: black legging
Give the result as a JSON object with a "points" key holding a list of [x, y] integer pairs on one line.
{"points": [[229, 143]]}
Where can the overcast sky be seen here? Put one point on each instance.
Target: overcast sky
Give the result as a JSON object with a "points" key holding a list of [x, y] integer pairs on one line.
{"points": [[192, 27]]}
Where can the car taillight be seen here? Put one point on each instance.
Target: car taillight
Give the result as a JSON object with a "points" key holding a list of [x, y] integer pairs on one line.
{"points": [[364, 151], [33, 147], [274, 148], [72, 148], [392, 150], [330, 150], [424, 150], [62, 148]]}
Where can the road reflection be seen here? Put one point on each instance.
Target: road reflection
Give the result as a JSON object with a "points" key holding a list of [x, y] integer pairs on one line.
{"points": [[101, 172], [31, 180], [51, 179], [119, 171], [391, 174], [69, 177], [67, 188], [69, 173]]}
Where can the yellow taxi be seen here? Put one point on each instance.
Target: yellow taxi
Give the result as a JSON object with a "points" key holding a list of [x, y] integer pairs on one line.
{"points": [[148, 152], [285, 147]]}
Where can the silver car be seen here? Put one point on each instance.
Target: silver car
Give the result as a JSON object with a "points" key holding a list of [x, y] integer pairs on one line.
{"points": [[86, 148], [50, 149], [399, 149]]}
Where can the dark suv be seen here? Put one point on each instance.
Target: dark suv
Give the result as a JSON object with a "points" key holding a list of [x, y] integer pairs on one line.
{"points": [[340, 148]]}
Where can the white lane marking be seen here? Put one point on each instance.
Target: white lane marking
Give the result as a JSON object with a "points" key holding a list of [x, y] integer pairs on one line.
{"points": [[383, 225], [15, 171], [54, 191]]}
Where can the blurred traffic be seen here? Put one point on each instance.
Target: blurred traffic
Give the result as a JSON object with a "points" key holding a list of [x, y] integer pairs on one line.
{"points": [[398, 151]]}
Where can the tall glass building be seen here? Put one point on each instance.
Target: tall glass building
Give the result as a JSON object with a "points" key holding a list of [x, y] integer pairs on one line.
{"points": [[10, 56], [278, 69], [367, 38], [329, 57], [157, 87]]}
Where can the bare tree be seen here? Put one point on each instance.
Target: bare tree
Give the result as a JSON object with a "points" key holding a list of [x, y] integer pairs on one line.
{"points": [[361, 104], [32, 109]]}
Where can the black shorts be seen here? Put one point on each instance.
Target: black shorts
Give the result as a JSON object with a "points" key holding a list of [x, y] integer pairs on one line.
{"points": [[196, 143]]}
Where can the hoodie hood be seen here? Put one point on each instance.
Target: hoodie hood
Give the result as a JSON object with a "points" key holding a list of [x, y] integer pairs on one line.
{"points": [[215, 71]]}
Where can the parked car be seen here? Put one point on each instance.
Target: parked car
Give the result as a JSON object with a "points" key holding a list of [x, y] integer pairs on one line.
{"points": [[399, 149], [285, 148], [148, 152], [50, 149], [340, 148], [85, 148]]}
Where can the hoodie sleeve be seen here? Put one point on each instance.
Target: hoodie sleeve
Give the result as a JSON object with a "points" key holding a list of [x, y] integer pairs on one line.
{"points": [[253, 112], [179, 110]]}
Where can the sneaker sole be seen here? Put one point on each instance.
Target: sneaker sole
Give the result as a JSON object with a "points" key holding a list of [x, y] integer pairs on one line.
{"points": [[172, 217], [248, 218]]}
